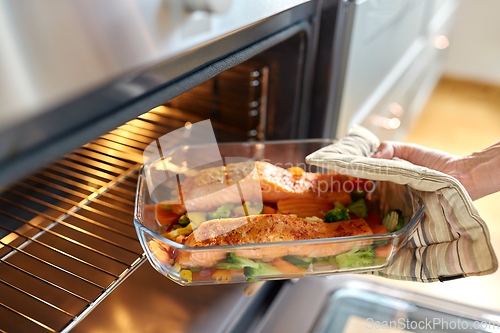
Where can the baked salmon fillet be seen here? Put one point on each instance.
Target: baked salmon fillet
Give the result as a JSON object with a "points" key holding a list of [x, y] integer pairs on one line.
{"points": [[258, 181], [265, 229]]}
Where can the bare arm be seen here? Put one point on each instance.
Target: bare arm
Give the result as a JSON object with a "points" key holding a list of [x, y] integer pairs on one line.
{"points": [[478, 172]]}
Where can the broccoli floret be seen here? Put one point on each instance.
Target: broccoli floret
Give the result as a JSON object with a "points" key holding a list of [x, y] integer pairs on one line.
{"points": [[356, 258], [383, 242], [326, 260], [336, 215], [221, 212], [301, 262], [227, 265], [263, 269], [243, 262], [358, 194], [394, 220], [359, 208], [338, 204]]}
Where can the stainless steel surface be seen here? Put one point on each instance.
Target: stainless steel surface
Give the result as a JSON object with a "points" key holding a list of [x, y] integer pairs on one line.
{"points": [[392, 59], [56, 130], [218, 6], [386, 39], [300, 305], [57, 50]]}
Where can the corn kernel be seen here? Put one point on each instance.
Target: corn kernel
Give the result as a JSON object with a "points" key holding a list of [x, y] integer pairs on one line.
{"points": [[177, 268], [185, 274]]}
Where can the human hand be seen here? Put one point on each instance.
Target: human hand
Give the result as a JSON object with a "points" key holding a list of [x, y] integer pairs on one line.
{"points": [[453, 165]]}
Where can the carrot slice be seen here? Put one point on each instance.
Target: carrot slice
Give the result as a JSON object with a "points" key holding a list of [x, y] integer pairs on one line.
{"points": [[269, 210], [222, 275], [383, 251], [166, 217], [286, 267], [305, 207], [378, 229]]}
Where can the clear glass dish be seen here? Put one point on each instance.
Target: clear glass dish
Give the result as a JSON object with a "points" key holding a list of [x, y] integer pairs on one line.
{"points": [[164, 253]]}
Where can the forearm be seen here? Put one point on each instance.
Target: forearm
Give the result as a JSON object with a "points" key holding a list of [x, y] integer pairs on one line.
{"points": [[481, 171]]}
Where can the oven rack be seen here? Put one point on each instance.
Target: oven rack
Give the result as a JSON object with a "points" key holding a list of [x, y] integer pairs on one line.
{"points": [[67, 237]]}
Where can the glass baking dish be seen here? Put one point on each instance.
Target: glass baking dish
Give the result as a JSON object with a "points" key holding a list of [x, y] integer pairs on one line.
{"points": [[163, 253]]}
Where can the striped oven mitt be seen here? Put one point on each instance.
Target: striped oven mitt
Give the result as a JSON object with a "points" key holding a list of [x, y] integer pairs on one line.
{"points": [[452, 241]]}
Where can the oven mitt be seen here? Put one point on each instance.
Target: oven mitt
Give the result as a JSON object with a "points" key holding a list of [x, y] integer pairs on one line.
{"points": [[451, 241]]}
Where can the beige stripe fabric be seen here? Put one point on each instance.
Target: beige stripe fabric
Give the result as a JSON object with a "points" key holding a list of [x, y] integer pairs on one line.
{"points": [[451, 242]]}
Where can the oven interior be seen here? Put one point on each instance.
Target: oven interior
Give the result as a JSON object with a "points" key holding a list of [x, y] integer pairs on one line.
{"points": [[67, 237]]}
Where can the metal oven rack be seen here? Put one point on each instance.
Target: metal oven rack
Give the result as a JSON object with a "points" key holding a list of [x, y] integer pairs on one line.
{"points": [[67, 237]]}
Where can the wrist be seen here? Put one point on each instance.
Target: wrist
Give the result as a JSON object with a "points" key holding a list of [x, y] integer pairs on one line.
{"points": [[479, 172], [464, 166]]}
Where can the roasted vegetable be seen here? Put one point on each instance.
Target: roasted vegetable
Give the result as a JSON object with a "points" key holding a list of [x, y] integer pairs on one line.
{"points": [[222, 212], [183, 220], [326, 260], [197, 218], [251, 209], [383, 251], [394, 220], [313, 219], [242, 262], [359, 208], [172, 235], [358, 194], [269, 210], [165, 216], [227, 265], [166, 207], [302, 262], [287, 268], [188, 275], [336, 215], [263, 269], [338, 204], [356, 258], [378, 229]]}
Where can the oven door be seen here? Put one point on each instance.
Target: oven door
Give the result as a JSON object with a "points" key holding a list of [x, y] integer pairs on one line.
{"points": [[350, 303]]}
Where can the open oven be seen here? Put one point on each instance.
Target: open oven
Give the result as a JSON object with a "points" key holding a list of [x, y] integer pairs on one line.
{"points": [[86, 87], [69, 165]]}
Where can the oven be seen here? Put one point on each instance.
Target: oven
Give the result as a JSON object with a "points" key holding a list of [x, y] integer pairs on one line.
{"points": [[86, 86]]}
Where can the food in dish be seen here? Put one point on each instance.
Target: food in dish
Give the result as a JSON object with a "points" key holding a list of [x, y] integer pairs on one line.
{"points": [[297, 206], [266, 229], [276, 184]]}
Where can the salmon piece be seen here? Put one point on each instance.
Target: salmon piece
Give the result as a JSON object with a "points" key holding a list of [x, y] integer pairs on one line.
{"points": [[266, 229], [258, 181]]}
